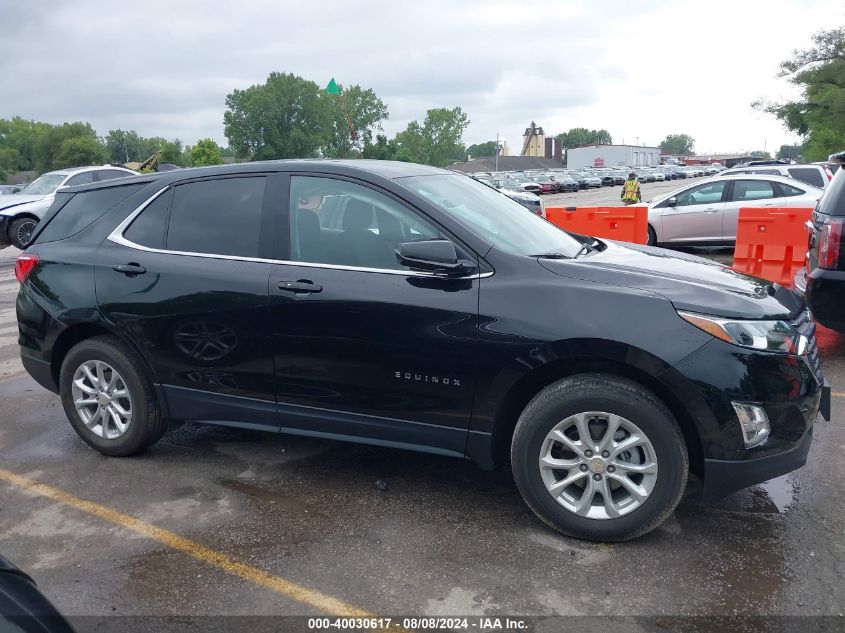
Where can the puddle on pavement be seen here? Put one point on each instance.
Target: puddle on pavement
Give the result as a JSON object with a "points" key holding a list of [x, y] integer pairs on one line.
{"points": [[781, 492], [273, 495]]}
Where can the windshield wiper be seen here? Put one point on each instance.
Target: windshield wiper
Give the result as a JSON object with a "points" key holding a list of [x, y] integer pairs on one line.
{"points": [[551, 256], [586, 248]]}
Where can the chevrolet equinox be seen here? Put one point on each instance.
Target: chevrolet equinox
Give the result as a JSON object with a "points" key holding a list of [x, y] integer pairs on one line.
{"points": [[407, 306]]}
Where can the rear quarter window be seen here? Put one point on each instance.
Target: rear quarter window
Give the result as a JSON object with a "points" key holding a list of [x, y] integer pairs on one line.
{"points": [[82, 210], [810, 175], [833, 200]]}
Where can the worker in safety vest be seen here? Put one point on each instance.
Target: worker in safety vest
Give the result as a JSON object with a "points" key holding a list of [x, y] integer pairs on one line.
{"points": [[631, 190]]}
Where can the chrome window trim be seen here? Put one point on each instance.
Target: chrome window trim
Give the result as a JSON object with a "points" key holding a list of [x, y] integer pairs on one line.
{"points": [[116, 236]]}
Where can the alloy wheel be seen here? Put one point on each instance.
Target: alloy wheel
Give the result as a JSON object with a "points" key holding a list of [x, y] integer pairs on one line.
{"points": [[25, 231], [598, 465], [102, 399]]}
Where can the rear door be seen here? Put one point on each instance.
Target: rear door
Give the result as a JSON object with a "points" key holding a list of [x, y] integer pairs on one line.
{"points": [[363, 346], [185, 278], [747, 193], [697, 214]]}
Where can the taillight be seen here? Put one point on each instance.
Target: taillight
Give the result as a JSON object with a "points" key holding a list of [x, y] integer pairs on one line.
{"points": [[25, 265], [828, 172], [830, 243]]}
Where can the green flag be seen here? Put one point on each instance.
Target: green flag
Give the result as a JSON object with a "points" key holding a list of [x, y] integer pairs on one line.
{"points": [[333, 88]]}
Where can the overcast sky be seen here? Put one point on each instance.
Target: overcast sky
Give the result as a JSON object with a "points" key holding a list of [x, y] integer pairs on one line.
{"points": [[642, 70]]}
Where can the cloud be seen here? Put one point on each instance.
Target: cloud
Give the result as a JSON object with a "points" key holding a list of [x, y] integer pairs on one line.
{"points": [[165, 68]]}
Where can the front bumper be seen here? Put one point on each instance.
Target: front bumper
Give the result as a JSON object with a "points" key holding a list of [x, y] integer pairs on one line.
{"points": [[791, 390], [722, 477]]}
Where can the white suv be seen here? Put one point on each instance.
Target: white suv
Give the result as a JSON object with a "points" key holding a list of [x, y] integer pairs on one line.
{"points": [[21, 212], [816, 175]]}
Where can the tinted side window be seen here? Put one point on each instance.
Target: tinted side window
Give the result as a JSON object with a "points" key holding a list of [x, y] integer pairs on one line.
{"points": [[80, 179], [111, 174], [833, 200], [346, 224], [83, 209], [752, 190], [148, 228], [810, 175], [220, 217]]}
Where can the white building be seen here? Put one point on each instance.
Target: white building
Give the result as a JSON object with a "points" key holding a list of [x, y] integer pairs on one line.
{"points": [[611, 156]]}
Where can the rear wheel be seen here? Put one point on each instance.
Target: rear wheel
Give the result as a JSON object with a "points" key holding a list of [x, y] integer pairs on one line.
{"points": [[108, 398], [21, 231], [599, 457]]}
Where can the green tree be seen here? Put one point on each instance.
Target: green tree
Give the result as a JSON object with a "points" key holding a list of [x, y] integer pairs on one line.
{"points": [[582, 136], [206, 152], [819, 114], [282, 118], [789, 152], [382, 149], [10, 160], [438, 141], [123, 146], [362, 110], [79, 151], [22, 136], [171, 152], [759, 153], [49, 142], [678, 144], [488, 148]]}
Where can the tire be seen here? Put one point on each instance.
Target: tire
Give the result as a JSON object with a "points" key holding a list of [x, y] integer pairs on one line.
{"points": [[105, 353], [20, 232], [570, 399], [652, 236]]}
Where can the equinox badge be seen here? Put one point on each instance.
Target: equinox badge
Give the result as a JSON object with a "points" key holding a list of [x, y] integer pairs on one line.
{"points": [[437, 380]]}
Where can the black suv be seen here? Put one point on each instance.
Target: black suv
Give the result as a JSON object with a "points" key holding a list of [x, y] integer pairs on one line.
{"points": [[407, 306], [823, 280]]}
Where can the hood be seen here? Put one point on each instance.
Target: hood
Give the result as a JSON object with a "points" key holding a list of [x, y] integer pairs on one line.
{"points": [[689, 282], [16, 199]]}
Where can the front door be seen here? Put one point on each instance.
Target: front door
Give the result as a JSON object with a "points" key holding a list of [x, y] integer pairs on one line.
{"points": [[184, 281], [696, 215], [364, 347]]}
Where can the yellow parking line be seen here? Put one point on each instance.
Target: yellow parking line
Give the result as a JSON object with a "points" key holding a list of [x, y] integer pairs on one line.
{"points": [[172, 540], [838, 394]]}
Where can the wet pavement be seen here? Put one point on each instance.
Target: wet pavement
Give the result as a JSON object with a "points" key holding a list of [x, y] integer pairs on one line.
{"points": [[437, 536]]}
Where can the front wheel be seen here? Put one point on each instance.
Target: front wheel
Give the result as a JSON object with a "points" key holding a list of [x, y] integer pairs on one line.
{"points": [[652, 236], [599, 457], [21, 231]]}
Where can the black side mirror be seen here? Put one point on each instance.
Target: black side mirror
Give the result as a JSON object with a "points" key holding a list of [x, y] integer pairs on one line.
{"points": [[434, 256]]}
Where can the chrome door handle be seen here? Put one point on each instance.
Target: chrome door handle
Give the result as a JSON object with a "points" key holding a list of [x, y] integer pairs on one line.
{"points": [[710, 210]]}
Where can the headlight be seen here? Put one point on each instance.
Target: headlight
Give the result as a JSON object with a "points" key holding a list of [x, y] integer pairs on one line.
{"points": [[770, 336]]}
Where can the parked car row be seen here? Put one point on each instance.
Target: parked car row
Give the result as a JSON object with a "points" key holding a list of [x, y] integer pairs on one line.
{"points": [[572, 180]]}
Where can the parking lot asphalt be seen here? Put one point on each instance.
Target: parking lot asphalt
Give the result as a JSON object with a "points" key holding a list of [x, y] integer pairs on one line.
{"points": [[223, 521]]}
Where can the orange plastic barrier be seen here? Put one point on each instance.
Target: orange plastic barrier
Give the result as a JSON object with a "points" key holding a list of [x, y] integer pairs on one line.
{"points": [[771, 242], [626, 224]]}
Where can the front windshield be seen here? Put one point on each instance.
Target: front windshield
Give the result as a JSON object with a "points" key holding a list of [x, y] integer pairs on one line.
{"points": [[506, 224], [45, 185]]}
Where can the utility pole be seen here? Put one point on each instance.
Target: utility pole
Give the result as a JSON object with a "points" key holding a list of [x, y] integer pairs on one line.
{"points": [[497, 151]]}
